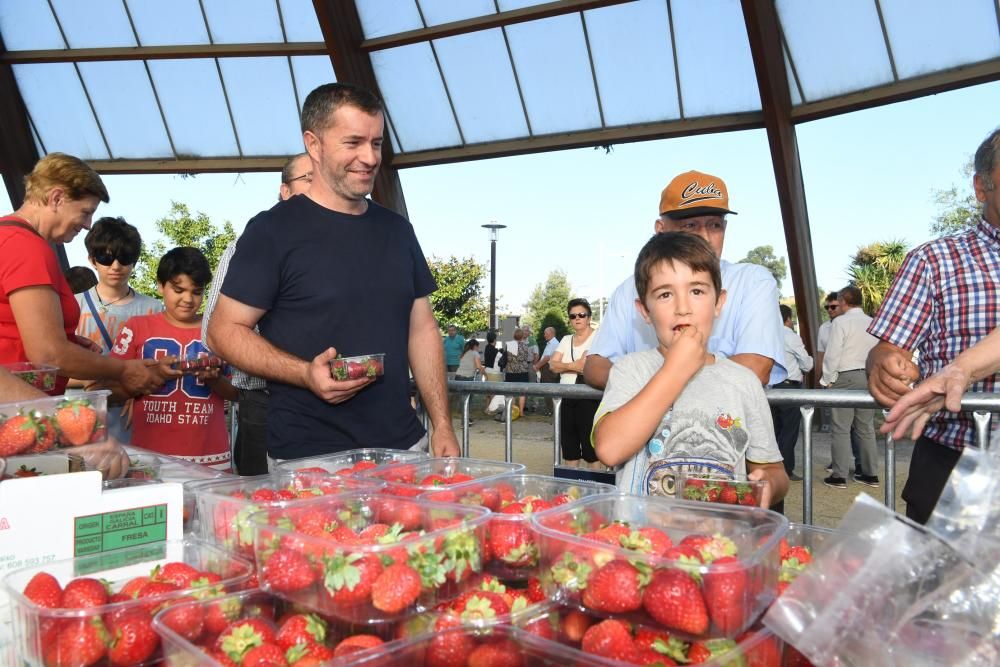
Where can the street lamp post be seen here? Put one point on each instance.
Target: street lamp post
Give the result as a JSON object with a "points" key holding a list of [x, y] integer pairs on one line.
{"points": [[494, 230]]}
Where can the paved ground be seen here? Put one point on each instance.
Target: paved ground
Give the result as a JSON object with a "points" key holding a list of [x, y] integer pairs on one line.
{"points": [[533, 448]]}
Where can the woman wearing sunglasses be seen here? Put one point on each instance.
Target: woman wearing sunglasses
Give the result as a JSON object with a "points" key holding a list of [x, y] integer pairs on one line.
{"points": [[38, 311], [577, 415]]}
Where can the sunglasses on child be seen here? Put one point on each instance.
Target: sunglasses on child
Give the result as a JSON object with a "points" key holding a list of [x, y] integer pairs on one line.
{"points": [[578, 316], [107, 258]]}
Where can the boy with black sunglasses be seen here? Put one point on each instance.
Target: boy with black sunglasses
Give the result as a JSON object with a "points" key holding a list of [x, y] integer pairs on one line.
{"points": [[113, 247]]}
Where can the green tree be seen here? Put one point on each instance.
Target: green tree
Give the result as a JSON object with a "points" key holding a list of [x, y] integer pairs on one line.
{"points": [[459, 297], [552, 295], [958, 210], [763, 255], [555, 319], [873, 268], [180, 229]]}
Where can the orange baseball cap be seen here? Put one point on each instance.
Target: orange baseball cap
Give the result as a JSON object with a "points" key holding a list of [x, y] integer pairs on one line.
{"points": [[694, 193]]}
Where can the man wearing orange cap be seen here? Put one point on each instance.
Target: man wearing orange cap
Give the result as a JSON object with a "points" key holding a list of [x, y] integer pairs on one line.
{"points": [[748, 331]]}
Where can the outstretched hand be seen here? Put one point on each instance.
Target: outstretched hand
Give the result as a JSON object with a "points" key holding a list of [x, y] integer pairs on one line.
{"points": [[911, 412]]}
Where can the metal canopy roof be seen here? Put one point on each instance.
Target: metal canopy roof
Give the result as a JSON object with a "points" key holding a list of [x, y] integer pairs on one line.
{"points": [[210, 85]]}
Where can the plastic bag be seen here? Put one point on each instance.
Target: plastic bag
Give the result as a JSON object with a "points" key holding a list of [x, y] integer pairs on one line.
{"points": [[968, 513], [496, 404], [888, 592]]}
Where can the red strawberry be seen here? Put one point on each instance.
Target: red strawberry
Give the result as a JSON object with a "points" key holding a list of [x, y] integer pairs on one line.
{"points": [[179, 574], [704, 651], [242, 635], [728, 495], [76, 421], [83, 593], [287, 571], [796, 556], [356, 643], [133, 640], [133, 586], [17, 434], [674, 601], [534, 590], [263, 495], [480, 606], [449, 649], [434, 480], [46, 438], [301, 629], [610, 639], [220, 614], [503, 653], [396, 588], [574, 624], [309, 655], [155, 590], [647, 656], [725, 591], [348, 578], [615, 587], [513, 543], [265, 655], [25, 471], [749, 500], [44, 590], [187, 620], [766, 652], [611, 534], [80, 643]]}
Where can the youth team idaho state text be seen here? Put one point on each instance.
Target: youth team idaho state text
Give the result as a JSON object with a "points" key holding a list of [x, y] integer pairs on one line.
{"points": [[166, 412]]}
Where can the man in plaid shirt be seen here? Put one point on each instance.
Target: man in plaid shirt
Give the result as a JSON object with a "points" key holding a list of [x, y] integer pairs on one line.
{"points": [[945, 298]]}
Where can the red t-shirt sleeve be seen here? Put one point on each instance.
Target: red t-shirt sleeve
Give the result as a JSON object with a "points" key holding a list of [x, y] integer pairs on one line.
{"points": [[128, 344]]}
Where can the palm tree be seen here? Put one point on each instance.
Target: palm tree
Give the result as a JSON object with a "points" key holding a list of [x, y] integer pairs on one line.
{"points": [[873, 268]]}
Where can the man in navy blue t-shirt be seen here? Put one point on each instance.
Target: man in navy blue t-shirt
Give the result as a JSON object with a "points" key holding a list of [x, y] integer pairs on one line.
{"points": [[331, 272]]}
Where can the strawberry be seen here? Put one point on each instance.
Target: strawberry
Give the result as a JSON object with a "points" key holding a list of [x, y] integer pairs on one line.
{"points": [[480, 606], [349, 578], [83, 593], [647, 656], [242, 635], [301, 629], [502, 653], [674, 601], [749, 500], [434, 480], [76, 421], [574, 624], [25, 471], [356, 643], [356, 370], [451, 648], [534, 590], [616, 587], [728, 495], [156, 590], [133, 586], [44, 590], [796, 556], [179, 574], [265, 655], [220, 614], [396, 588], [610, 639], [46, 438], [287, 571], [309, 655], [133, 640], [187, 620], [701, 652], [80, 643], [725, 592], [513, 543], [766, 652], [17, 434]]}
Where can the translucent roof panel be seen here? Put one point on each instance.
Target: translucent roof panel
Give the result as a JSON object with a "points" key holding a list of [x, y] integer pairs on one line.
{"points": [[554, 70], [412, 88], [482, 85], [246, 21], [437, 12], [837, 47], [620, 37], [165, 23], [29, 24], [299, 17], [263, 105], [201, 129], [49, 90], [717, 75], [386, 17], [311, 72], [94, 23], [792, 86], [126, 108], [927, 35]]}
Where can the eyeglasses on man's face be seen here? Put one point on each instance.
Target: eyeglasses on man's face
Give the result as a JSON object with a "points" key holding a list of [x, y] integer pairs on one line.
{"points": [[832, 306], [578, 316], [307, 177]]}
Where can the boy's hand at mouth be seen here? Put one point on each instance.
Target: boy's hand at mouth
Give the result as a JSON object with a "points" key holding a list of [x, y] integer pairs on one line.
{"points": [[686, 354]]}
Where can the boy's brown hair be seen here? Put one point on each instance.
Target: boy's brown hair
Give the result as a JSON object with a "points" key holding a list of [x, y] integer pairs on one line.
{"points": [[688, 249]]}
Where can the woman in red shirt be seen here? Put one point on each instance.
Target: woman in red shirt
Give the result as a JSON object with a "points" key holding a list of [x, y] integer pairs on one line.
{"points": [[38, 312]]}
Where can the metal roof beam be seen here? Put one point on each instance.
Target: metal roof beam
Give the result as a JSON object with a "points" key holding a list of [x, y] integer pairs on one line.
{"points": [[487, 22], [172, 52], [189, 165]]}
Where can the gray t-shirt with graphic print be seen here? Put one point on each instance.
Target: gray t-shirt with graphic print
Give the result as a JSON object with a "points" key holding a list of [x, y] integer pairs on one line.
{"points": [[719, 421]]}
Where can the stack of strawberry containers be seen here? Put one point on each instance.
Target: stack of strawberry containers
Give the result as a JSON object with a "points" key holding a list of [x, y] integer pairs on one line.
{"points": [[311, 472]]}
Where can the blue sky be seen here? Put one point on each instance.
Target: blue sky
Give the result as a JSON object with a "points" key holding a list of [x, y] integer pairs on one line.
{"points": [[869, 176]]}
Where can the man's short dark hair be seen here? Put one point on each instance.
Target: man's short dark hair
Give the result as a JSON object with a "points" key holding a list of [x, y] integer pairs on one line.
{"points": [[786, 312], [833, 296], [80, 278], [184, 261], [115, 236], [578, 303], [317, 112], [286, 171], [987, 158], [851, 295], [688, 249]]}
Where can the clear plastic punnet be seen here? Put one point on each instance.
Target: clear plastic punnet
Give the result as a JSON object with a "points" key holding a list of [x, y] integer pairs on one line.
{"points": [[415, 478], [57, 421], [225, 506], [366, 557], [714, 488], [39, 376], [307, 472], [512, 550], [696, 569], [355, 368], [137, 582], [885, 591]]}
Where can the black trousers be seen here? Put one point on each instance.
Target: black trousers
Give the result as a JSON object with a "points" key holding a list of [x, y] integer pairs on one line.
{"points": [[575, 427], [250, 455], [787, 423], [930, 467]]}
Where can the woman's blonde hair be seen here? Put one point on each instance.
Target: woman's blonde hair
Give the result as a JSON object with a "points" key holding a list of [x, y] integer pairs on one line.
{"points": [[518, 334], [58, 170]]}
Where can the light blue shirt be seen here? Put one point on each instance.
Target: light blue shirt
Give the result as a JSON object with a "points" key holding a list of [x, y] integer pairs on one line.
{"points": [[750, 322], [551, 347]]}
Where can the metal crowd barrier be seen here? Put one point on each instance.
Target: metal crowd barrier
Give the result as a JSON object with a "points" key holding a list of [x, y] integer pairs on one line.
{"points": [[980, 404]]}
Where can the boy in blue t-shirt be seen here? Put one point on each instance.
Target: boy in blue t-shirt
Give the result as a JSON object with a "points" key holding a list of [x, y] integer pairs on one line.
{"points": [[677, 408]]}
